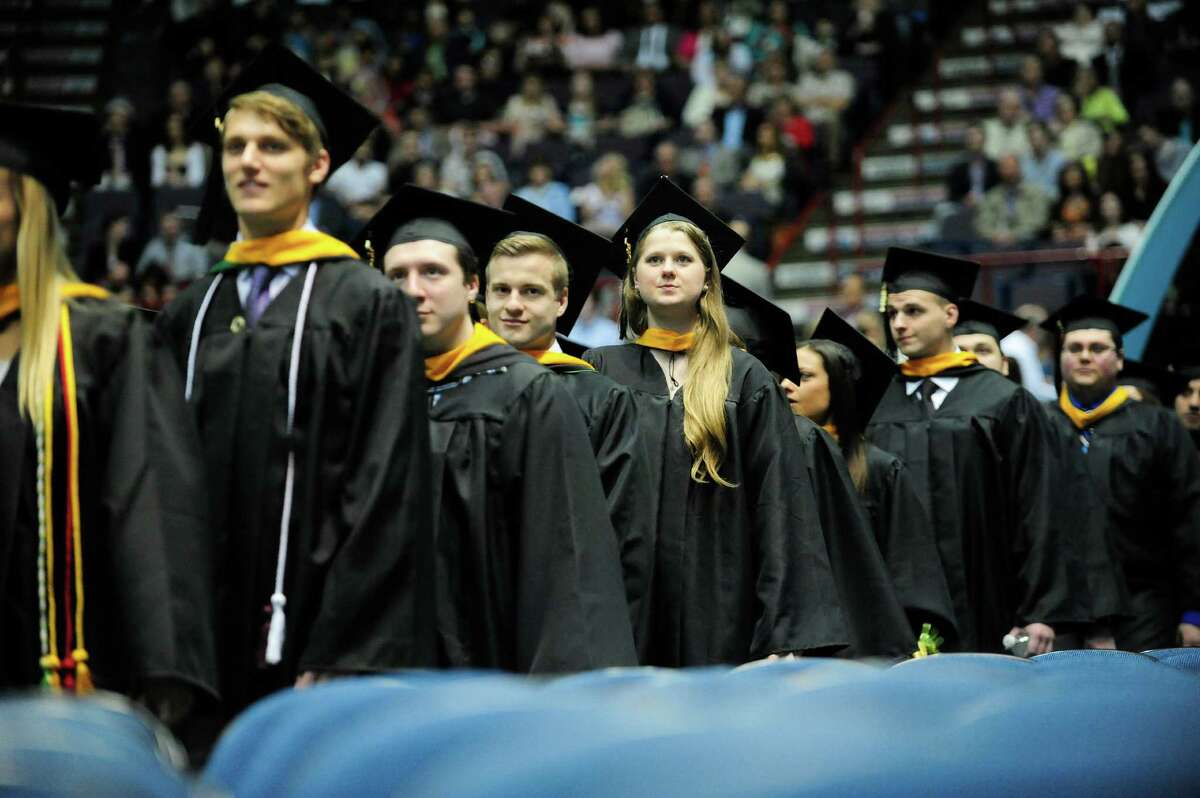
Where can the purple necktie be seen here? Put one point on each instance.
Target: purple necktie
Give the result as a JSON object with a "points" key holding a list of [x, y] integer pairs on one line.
{"points": [[260, 294]]}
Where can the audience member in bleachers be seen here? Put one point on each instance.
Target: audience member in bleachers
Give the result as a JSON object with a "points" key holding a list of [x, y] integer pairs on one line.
{"points": [[173, 252], [1024, 347], [120, 153], [606, 201], [592, 46], [1180, 119], [824, 94], [1013, 213], [642, 117], [746, 268], [1078, 138], [546, 192], [463, 101], [1005, 134], [530, 115], [1115, 230], [1114, 65], [1098, 104], [177, 161], [1082, 37], [771, 83], [769, 165], [968, 181], [1057, 69], [361, 181], [1146, 187], [651, 45], [1112, 170], [1043, 163], [1038, 98], [735, 119], [109, 261], [582, 117], [665, 162]]}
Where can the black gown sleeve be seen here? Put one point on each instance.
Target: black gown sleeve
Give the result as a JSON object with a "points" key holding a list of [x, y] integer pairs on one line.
{"points": [[161, 549], [1042, 559], [799, 607], [376, 607], [625, 475], [1179, 468], [876, 619], [905, 536], [570, 610]]}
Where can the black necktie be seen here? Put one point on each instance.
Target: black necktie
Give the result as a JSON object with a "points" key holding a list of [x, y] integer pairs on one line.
{"points": [[927, 389]]}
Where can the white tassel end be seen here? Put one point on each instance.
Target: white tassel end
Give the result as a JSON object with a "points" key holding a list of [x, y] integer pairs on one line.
{"points": [[275, 633]]}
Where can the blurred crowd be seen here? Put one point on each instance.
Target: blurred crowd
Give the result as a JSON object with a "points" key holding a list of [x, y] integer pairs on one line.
{"points": [[574, 106], [1080, 150]]}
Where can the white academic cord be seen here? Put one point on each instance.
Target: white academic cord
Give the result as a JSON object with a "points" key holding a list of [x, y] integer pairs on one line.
{"points": [[277, 629]]}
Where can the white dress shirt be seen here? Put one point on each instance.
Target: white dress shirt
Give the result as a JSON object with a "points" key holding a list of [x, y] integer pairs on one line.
{"points": [[279, 280], [944, 386]]}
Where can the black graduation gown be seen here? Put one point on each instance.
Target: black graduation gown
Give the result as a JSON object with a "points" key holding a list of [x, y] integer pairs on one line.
{"points": [[905, 537], [147, 562], [740, 572], [1147, 475], [359, 568], [529, 575], [1084, 520], [875, 617], [611, 418], [984, 466]]}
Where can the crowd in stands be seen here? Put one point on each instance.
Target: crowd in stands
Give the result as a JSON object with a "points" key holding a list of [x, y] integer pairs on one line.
{"points": [[577, 107], [1082, 147]]}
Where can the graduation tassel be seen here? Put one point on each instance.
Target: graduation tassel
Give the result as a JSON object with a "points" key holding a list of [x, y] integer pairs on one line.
{"points": [[277, 629]]}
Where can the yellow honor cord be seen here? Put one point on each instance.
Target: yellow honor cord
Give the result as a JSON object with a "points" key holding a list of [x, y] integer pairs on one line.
{"points": [[83, 683]]}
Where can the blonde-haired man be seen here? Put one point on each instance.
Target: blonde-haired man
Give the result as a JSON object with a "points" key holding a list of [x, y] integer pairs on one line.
{"points": [[531, 293], [317, 488]]}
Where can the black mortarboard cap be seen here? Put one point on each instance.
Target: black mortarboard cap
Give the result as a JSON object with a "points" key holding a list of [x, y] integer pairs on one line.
{"points": [[1163, 383], [54, 145], [418, 214], [1190, 373], [763, 326], [572, 348], [876, 369], [665, 202], [1092, 313], [342, 121], [586, 252], [976, 317], [914, 269]]}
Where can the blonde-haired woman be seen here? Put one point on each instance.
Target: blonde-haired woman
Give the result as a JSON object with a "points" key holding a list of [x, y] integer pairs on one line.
{"points": [[741, 568], [103, 565]]}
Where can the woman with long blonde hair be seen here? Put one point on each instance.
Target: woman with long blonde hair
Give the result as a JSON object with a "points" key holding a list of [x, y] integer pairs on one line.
{"points": [[741, 569], [103, 565]]}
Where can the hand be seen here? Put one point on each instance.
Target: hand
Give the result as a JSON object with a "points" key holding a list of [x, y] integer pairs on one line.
{"points": [[773, 657], [170, 700], [311, 678], [1041, 639], [1189, 635], [1100, 638]]}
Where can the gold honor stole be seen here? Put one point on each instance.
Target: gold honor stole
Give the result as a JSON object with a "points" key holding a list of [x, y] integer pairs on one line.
{"points": [[294, 246], [438, 367], [665, 340], [934, 365], [550, 358], [1082, 419]]}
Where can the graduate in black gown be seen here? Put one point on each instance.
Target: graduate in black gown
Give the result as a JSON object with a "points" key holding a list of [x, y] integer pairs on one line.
{"points": [[303, 368], [528, 569], [105, 564], [741, 569], [982, 455], [841, 376], [875, 616], [979, 330], [1145, 471], [1187, 402], [537, 279]]}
